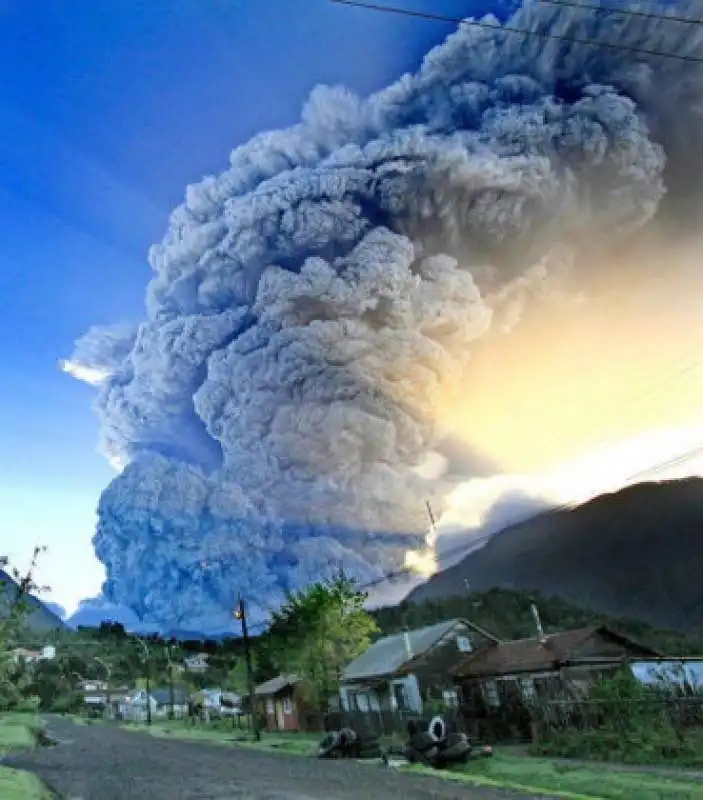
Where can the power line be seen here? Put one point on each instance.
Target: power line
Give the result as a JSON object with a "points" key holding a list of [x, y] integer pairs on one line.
{"points": [[468, 546], [472, 23], [625, 12]]}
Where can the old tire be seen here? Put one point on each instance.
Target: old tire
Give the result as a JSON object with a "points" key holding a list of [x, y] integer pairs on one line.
{"points": [[455, 739], [422, 742], [347, 737], [438, 728], [329, 745], [456, 753]]}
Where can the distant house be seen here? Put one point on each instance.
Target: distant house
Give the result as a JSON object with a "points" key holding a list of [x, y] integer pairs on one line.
{"points": [[22, 654], [196, 663], [406, 670], [101, 699], [545, 667], [216, 703], [134, 706], [281, 702]]}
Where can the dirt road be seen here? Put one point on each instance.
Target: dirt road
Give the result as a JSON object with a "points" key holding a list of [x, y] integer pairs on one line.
{"points": [[98, 762]]}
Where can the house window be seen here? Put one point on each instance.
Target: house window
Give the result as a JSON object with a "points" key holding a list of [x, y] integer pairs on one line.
{"points": [[527, 688], [464, 644], [400, 696], [450, 697], [270, 709], [490, 694], [287, 705]]}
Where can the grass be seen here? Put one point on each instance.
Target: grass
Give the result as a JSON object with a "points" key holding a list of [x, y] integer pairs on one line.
{"points": [[648, 746], [291, 743], [18, 732], [539, 776], [18, 785]]}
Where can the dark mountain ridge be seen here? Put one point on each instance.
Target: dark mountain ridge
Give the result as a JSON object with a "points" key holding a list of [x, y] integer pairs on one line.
{"points": [[637, 553], [40, 618]]}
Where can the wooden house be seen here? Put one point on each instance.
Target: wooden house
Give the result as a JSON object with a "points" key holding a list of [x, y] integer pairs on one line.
{"points": [[281, 702], [505, 678], [405, 671]]}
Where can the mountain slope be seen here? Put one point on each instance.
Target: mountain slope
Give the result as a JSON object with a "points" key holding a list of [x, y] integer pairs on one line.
{"points": [[40, 618], [637, 552]]}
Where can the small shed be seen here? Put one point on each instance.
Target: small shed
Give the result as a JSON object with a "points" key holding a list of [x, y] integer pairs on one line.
{"points": [[281, 702]]}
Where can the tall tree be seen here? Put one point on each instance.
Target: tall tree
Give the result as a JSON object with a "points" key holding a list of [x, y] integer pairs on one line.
{"points": [[16, 608], [318, 631]]}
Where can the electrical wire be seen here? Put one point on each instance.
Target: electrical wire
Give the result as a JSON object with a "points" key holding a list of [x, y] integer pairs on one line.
{"points": [[625, 12], [472, 23], [467, 547]]}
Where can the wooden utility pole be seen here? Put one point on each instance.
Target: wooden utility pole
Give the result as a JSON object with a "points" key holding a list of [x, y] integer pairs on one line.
{"points": [[241, 615], [145, 651], [171, 687]]}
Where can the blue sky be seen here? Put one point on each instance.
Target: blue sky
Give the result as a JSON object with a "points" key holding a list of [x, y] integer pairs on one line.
{"points": [[106, 114]]}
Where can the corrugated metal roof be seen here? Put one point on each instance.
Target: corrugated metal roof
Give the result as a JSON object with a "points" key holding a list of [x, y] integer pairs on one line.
{"points": [[275, 685], [389, 654]]}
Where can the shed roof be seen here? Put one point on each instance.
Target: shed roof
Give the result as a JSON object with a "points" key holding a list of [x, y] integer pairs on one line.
{"points": [[388, 655], [276, 685], [524, 655]]}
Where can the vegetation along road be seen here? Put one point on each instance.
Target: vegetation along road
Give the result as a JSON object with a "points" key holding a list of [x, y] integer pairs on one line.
{"points": [[107, 763]]}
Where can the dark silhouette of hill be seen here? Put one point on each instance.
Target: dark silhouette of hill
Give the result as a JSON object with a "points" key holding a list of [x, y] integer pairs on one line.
{"points": [[40, 618], [636, 553]]}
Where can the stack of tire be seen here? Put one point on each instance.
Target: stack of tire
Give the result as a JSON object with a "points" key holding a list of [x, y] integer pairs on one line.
{"points": [[348, 743], [435, 745]]}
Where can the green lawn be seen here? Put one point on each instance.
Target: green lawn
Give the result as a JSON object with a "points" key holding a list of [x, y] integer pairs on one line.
{"points": [[18, 785], [17, 732], [543, 776]]}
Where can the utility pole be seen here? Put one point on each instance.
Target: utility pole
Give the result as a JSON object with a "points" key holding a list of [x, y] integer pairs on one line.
{"points": [[171, 688], [145, 651], [108, 674], [241, 615]]}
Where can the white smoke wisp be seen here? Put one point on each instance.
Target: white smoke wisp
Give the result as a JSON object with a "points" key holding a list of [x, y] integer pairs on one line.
{"points": [[314, 305]]}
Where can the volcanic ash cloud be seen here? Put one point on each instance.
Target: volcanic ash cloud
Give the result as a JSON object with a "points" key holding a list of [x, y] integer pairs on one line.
{"points": [[314, 307]]}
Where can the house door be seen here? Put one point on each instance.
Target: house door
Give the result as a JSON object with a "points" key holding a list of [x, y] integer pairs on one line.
{"points": [[280, 724]]}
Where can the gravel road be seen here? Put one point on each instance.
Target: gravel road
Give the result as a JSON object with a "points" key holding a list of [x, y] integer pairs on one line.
{"points": [[98, 762]]}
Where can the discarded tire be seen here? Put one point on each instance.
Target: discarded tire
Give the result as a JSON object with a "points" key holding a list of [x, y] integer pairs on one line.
{"points": [[347, 737], [456, 753], [437, 728], [422, 742], [454, 739], [348, 743], [329, 745]]}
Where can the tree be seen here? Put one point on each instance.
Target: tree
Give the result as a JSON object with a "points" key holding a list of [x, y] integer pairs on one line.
{"points": [[15, 590], [318, 631], [237, 679]]}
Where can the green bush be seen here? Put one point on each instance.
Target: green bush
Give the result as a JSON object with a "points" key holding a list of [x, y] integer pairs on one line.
{"points": [[27, 705], [629, 723]]}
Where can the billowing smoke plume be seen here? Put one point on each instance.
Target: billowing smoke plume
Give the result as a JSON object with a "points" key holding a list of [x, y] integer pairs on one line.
{"points": [[314, 307]]}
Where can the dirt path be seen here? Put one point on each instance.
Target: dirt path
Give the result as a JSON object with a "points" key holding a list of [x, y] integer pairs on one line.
{"points": [[104, 763]]}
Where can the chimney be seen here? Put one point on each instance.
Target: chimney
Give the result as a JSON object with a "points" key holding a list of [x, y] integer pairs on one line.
{"points": [[538, 622], [408, 648]]}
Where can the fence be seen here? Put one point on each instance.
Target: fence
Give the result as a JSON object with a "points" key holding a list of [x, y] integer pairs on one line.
{"points": [[681, 713]]}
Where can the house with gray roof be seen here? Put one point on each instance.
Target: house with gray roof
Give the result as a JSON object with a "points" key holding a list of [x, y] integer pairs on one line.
{"points": [[403, 671]]}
